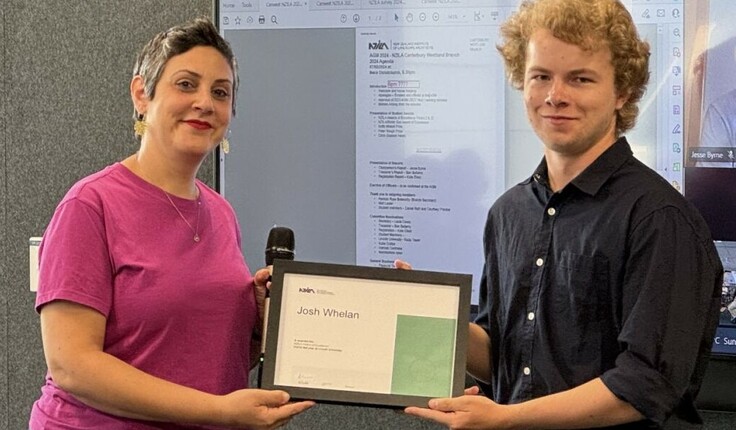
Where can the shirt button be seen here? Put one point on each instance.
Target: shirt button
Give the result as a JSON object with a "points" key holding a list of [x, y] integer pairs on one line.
{"points": [[540, 262], [527, 371], [551, 211], [530, 316]]}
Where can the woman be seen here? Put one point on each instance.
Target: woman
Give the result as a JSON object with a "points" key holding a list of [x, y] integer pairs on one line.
{"points": [[147, 305]]}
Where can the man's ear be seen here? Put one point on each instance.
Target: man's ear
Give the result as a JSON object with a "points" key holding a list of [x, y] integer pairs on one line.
{"points": [[621, 100], [138, 94]]}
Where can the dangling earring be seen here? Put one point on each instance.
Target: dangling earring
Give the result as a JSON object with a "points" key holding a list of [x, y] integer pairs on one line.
{"points": [[225, 144], [140, 126]]}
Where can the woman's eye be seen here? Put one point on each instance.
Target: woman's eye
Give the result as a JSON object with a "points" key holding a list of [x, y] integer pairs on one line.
{"points": [[185, 85], [220, 93]]}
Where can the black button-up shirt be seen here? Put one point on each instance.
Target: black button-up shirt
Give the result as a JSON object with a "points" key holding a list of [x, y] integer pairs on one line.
{"points": [[614, 276]]}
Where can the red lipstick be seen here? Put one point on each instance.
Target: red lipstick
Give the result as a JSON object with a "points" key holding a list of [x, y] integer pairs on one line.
{"points": [[199, 125]]}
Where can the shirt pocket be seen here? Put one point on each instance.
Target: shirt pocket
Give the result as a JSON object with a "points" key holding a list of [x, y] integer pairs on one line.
{"points": [[576, 323], [579, 287]]}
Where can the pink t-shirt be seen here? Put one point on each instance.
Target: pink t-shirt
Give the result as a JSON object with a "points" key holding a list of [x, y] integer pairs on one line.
{"points": [[180, 310]]}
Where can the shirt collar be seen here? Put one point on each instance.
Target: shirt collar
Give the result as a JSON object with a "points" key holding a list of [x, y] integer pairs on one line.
{"points": [[594, 176]]}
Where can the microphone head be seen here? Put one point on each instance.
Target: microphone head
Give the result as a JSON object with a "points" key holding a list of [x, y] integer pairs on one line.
{"points": [[280, 244]]}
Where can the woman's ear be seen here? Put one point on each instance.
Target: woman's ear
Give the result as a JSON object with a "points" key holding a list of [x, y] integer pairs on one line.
{"points": [[138, 94]]}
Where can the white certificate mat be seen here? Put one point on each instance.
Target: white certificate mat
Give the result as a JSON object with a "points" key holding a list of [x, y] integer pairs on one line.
{"points": [[366, 335]]}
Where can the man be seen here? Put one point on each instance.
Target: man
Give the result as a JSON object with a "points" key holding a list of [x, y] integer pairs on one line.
{"points": [[719, 130], [600, 292]]}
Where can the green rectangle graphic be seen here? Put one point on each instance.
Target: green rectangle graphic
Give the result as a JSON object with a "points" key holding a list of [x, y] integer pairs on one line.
{"points": [[423, 356]]}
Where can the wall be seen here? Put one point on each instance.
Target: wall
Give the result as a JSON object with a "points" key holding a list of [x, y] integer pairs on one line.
{"points": [[64, 113], [4, 402]]}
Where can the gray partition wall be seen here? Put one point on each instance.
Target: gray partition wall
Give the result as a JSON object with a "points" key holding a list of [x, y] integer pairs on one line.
{"points": [[65, 112], [3, 260]]}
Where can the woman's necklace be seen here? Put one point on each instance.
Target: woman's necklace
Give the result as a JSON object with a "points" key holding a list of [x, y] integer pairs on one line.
{"points": [[194, 230]]}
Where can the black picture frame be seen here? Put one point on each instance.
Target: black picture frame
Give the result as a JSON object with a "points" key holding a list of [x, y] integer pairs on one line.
{"points": [[358, 281]]}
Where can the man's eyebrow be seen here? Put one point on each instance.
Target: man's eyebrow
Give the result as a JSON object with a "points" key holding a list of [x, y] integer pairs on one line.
{"points": [[582, 71], [574, 72]]}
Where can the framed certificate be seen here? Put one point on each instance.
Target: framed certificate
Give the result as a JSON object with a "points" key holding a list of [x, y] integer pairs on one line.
{"points": [[366, 335]]}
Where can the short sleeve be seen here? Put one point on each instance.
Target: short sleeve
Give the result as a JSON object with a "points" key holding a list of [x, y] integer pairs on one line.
{"points": [[74, 261]]}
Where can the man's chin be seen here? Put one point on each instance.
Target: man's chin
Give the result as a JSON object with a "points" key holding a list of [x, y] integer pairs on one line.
{"points": [[562, 146]]}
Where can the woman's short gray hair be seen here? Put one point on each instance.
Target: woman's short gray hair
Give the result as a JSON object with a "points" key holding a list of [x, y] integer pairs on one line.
{"points": [[177, 40]]}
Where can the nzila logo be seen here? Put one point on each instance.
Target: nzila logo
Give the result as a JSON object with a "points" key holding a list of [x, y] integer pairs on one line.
{"points": [[307, 290], [377, 45]]}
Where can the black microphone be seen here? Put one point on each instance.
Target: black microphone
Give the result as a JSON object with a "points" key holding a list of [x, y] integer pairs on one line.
{"points": [[280, 244]]}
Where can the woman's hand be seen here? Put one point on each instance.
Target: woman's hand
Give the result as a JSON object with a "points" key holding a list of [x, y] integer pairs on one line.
{"points": [[73, 337], [260, 409], [262, 281]]}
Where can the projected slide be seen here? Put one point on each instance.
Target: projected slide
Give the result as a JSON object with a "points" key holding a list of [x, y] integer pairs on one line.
{"points": [[379, 130], [421, 131]]}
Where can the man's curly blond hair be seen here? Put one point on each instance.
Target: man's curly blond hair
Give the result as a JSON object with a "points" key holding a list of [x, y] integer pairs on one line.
{"points": [[591, 25]]}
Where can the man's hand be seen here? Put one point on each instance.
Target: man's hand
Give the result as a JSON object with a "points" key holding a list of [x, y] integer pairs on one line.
{"points": [[401, 264], [470, 411]]}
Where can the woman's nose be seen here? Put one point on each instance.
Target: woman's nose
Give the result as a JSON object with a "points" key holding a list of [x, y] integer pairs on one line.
{"points": [[204, 102]]}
